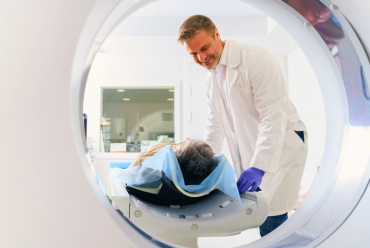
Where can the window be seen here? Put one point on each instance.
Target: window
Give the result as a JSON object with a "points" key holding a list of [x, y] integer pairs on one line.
{"points": [[135, 118]]}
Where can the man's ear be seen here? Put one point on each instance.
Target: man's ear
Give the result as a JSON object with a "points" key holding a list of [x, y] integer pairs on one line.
{"points": [[217, 34]]}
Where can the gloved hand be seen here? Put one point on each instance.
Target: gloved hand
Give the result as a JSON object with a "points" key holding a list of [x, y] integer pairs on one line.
{"points": [[251, 177]]}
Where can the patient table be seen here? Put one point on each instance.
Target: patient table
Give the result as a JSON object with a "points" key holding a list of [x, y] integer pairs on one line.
{"points": [[218, 215]]}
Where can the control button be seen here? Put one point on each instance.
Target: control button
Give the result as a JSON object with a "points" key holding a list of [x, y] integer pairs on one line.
{"points": [[333, 7], [207, 215], [137, 213], [225, 204], [249, 211], [195, 216], [194, 227]]}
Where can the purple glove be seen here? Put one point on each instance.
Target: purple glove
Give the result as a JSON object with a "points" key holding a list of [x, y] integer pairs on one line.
{"points": [[251, 177]]}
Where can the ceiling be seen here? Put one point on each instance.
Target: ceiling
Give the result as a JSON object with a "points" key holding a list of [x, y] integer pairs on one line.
{"points": [[187, 8], [163, 17], [155, 27], [141, 95]]}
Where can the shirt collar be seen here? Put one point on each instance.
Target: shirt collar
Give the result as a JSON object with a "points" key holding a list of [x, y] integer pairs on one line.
{"points": [[223, 57], [224, 54]]}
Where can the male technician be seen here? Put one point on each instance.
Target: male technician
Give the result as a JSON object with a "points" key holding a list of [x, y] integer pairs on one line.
{"points": [[248, 103]]}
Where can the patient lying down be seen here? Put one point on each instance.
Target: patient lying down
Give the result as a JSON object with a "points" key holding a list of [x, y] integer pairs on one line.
{"points": [[195, 157], [179, 174]]}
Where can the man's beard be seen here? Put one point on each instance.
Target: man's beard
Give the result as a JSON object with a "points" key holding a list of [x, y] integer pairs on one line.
{"points": [[217, 56]]}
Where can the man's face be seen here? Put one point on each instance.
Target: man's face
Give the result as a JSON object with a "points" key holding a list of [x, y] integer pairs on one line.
{"points": [[204, 49]]}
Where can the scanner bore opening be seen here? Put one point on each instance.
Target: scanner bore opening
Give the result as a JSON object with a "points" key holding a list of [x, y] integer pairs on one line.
{"points": [[282, 15]]}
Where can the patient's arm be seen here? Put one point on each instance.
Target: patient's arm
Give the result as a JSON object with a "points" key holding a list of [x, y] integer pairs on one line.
{"points": [[148, 153]]}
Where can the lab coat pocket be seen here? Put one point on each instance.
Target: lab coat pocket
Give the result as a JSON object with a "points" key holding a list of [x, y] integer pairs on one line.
{"points": [[292, 148], [300, 135]]}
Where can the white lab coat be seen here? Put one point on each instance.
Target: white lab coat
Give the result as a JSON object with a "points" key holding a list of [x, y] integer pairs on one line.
{"points": [[264, 121]]}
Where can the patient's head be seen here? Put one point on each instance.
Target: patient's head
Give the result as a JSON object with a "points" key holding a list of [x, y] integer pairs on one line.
{"points": [[196, 160]]}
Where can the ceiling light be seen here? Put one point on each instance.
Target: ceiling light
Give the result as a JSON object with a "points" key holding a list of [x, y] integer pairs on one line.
{"points": [[173, 90], [121, 90], [126, 99], [169, 99]]}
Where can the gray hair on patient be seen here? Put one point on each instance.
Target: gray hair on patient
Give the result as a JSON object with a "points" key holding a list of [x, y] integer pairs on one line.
{"points": [[196, 161]]}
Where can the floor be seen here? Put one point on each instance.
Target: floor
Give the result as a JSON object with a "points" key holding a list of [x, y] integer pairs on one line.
{"points": [[243, 238]]}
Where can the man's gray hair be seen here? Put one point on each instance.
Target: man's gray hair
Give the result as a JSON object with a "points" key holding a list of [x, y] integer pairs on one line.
{"points": [[193, 25]]}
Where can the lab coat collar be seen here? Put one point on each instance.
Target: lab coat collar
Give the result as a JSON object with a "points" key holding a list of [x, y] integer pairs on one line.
{"points": [[230, 57], [233, 54], [223, 59], [233, 62]]}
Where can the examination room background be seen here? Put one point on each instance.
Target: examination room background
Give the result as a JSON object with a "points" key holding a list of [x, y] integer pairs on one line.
{"points": [[50, 197], [143, 48]]}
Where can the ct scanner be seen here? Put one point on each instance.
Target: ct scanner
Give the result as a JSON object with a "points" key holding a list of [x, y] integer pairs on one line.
{"points": [[50, 198]]}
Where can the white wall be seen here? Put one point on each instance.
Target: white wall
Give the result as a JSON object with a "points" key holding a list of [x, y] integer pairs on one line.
{"points": [[305, 93], [110, 70]]}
